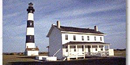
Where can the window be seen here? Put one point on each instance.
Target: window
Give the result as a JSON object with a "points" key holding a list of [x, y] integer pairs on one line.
{"points": [[66, 50], [30, 23], [74, 48], [82, 48], [82, 38], [95, 38], [30, 37], [74, 37], [88, 37], [101, 49], [66, 37], [96, 49], [100, 38]]}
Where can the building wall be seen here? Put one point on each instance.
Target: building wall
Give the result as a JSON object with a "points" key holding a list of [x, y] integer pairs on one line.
{"points": [[32, 53], [79, 38], [55, 43]]}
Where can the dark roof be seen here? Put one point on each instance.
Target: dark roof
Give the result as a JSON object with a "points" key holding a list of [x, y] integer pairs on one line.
{"points": [[75, 29], [74, 42]]}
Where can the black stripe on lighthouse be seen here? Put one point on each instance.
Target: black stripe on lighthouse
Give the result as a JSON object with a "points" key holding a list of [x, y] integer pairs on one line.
{"points": [[30, 39], [30, 23]]}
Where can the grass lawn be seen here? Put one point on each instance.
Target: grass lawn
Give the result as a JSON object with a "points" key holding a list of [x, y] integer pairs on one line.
{"points": [[15, 58], [120, 53]]}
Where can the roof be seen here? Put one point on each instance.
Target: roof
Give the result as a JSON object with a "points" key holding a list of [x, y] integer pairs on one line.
{"points": [[32, 49], [74, 29], [85, 43]]}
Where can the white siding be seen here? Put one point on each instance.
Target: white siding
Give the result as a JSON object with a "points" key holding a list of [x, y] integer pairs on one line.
{"points": [[30, 16], [30, 31], [55, 43], [79, 38], [30, 45]]}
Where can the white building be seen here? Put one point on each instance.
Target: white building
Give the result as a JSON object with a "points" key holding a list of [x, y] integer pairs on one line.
{"points": [[73, 42]]}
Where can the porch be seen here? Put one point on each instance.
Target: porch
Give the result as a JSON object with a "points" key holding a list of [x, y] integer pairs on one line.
{"points": [[84, 49]]}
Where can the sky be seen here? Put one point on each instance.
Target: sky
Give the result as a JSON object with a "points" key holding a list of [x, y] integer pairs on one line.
{"points": [[108, 15]]}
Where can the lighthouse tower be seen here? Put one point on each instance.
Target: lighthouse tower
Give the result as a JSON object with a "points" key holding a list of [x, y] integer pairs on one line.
{"points": [[30, 48]]}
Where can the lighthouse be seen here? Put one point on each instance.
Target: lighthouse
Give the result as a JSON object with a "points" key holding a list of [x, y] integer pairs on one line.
{"points": [[30, 48]]}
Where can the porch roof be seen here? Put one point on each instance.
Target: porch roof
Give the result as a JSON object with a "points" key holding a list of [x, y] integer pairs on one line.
{"points": [[86, 43]]}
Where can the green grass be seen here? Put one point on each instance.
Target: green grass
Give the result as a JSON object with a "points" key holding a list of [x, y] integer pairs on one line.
{"points": [[120, 53], [15, 58], [19, 58]]}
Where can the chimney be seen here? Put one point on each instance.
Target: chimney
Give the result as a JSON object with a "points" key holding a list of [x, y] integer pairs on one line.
{"points": [[58, 24], [95, 28], [53, 24]]}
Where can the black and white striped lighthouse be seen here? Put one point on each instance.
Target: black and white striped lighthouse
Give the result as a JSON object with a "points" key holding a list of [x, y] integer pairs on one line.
{"points": [[30, 39]]}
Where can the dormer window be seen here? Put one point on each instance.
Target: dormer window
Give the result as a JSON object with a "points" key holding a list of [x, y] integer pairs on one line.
{"points": [[74, 37], [66, 37], [82, 38]]}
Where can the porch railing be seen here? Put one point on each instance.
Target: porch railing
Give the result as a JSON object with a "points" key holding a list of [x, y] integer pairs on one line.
{"points": [[101, 53]]}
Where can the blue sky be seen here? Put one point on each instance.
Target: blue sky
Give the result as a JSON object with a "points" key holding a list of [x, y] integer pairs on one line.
{"points": [[108, 15]]}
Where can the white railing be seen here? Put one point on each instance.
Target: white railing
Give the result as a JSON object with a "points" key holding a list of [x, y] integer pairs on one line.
{"points": [[101, 53], [76, 54]]}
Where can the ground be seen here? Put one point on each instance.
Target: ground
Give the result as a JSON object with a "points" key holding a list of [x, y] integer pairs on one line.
{"points": [[23, 60]]}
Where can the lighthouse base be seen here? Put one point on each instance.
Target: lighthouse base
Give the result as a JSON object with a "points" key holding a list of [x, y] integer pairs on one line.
{"points": [[32, 52]]}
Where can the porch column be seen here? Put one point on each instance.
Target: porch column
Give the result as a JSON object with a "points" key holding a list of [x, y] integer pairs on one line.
{"points": [[108, 47], [68, 58], [76, 52], [103, 47], [91, 49], [97, 47]]}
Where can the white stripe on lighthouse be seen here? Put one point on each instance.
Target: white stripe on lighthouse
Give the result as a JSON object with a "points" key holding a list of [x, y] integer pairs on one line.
{"points": [[30, 16], [30, 31], [30, 45]]}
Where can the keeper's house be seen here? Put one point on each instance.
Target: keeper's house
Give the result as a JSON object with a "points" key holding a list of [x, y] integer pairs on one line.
{"points": [[73, 42]]}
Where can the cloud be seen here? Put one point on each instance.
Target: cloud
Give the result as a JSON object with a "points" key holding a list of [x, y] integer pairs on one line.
{"points": [[83, 9], [12, 15]]}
